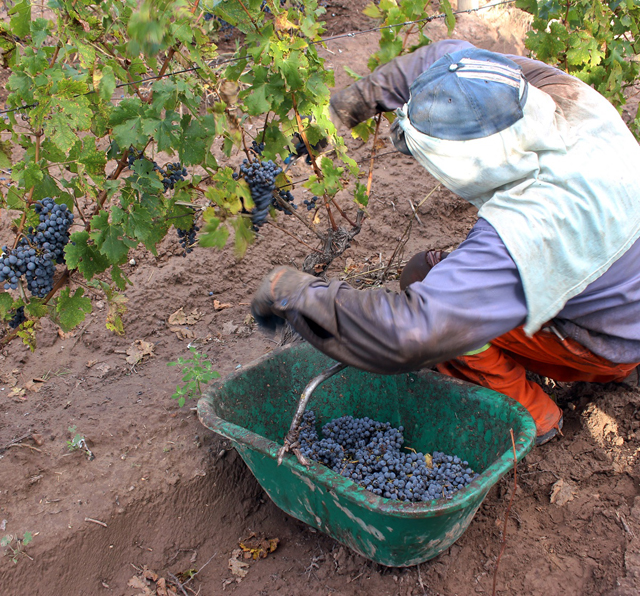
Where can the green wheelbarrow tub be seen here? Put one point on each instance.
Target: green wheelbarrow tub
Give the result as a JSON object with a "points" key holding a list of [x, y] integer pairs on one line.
{"points": [[253, 408]]}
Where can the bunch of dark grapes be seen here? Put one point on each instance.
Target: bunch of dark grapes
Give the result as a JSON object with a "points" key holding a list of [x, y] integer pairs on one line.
{"points": [[18, 318], [223, 26], [368, 452], [173, 173], [52, 233], [311, 203], [261, 178], [257, 148], [36, 255], [286, 196], [134, 155], [187, 238]]}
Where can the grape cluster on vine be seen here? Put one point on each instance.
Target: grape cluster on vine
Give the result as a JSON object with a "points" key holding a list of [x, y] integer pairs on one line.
{"points": [[369, 453], [187, 238], [261, 178], [18, 318], [37, 253], [311, 203], [172, 173], [286, 196], [257, 148]]}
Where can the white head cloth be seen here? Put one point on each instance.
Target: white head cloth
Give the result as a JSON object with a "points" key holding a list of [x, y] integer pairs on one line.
{"points": [[561, 187]]}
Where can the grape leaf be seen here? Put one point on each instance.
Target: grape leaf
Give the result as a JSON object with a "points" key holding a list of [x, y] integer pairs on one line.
{"points": [[106, 82], [94, 160], [85, 257], [71, 310], [35, 308], [5, 154], [21, 18], [244, 235], [109, 238], [6, 303], [213, 233], [126, 121], [119, 278]]}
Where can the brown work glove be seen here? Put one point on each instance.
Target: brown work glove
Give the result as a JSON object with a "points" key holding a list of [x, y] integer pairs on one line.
{"points": [[375, 330], [419, 266], [274, 295], [350, 106]]}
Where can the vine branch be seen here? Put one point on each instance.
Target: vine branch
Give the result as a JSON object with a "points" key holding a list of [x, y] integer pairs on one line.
{"points": [[314, 165]]}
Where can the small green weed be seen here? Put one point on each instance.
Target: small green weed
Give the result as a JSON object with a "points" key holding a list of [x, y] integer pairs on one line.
{"points": [[15, 545], [78, 442], [196, 371]]}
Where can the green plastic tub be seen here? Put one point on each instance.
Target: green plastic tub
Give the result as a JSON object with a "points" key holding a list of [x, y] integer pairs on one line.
{"points": [[254, 408]]}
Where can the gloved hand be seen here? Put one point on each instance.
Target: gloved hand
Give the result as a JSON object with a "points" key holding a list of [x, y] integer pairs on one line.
{"points": [[350, 107], [419, 266], [271, 300]]}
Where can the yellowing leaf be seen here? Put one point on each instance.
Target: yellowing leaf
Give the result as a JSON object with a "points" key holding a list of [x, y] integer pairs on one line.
{"points": [[283, 23]]}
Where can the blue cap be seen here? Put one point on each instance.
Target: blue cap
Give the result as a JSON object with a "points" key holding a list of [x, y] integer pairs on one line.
{"points": [[466, 95]]}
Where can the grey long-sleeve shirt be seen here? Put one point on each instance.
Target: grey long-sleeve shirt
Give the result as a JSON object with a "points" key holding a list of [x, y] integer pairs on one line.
{"points": [[475, 294]]}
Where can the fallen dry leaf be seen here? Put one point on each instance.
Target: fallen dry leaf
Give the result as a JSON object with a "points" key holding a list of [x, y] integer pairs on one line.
{"points": [[238, 567], [11, 378], [17, 392], [148, 574], [183, 333], [229, 328], [162, 590], [180, 318], [221, 306], [562, 492], [139, 584], [258, 547], [138, 350], [33, 385]]}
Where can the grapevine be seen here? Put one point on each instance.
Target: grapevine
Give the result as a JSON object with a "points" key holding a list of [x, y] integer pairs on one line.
{"points": [[148, 80], [595, 41]]}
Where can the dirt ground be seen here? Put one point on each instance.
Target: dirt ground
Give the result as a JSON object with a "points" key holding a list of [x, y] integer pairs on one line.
{"points": [[163, 497]]}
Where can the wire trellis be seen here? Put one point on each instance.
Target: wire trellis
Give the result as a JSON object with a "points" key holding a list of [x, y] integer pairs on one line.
{"points": [[218, 63]]}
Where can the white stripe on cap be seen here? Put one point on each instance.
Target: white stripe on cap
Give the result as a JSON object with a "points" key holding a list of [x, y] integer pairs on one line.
{"points": [[486, 66], [468, 68], [488, 76]]}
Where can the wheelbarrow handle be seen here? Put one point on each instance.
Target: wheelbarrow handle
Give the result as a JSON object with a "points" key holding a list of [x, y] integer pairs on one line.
{"points": [[291, 440], [311, 387]]}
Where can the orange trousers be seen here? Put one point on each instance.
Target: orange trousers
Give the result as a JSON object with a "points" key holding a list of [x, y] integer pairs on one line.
{"points": [[503, 365]]}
